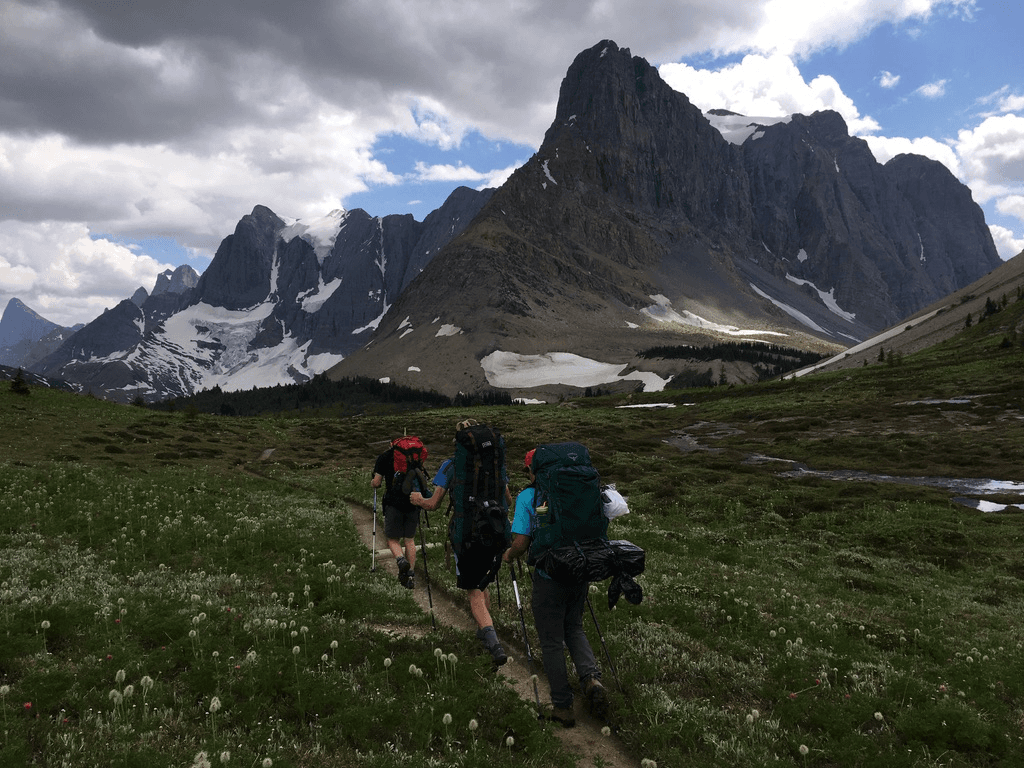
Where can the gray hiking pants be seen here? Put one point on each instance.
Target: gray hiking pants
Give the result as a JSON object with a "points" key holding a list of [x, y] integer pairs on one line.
{"points": [[559, 618]]}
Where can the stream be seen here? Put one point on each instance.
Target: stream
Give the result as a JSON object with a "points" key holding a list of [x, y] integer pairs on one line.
{"points": [[968, 491]]}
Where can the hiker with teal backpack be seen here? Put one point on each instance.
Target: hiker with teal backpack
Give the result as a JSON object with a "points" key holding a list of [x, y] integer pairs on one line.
{"points": [[558, 605], [400, 470], [478, 489]]}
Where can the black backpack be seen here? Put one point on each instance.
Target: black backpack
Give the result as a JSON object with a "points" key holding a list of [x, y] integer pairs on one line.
{"points": [[479, 521]]}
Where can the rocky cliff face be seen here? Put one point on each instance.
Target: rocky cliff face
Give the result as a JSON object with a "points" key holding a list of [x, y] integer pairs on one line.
{"points": [[637, 224]]}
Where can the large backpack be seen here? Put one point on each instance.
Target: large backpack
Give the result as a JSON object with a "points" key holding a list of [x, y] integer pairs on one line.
{"points": [[570, 541], [568, 485], [479, 521], [408, 457]]}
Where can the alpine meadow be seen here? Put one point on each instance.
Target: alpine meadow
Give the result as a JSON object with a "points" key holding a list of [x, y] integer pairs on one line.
{"points": [[175, 593]]}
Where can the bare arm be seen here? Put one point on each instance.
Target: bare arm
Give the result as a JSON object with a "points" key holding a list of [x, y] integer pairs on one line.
{"points": [[431, 503], [520, 544]]}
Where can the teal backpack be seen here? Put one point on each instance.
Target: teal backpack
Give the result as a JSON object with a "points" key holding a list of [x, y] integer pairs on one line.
{"points": [[567, 499]]}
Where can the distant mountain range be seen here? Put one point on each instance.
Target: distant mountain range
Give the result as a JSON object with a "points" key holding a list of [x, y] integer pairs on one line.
{"points": [[639, 222]]}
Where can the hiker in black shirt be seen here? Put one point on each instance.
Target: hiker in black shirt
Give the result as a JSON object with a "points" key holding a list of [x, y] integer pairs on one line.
{"points": [[400, 516]]}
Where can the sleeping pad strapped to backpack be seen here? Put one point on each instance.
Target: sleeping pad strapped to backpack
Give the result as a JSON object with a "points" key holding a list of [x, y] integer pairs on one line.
{"points": [[570, 542], [479, 522]]}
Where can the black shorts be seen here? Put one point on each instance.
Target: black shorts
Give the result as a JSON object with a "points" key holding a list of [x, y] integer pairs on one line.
{"points": [[473, 565], [399, 524]]}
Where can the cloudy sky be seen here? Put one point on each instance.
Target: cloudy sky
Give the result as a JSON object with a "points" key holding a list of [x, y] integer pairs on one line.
{"points": [[134, 135]]}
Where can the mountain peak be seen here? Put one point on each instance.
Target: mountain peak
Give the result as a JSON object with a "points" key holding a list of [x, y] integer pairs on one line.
{"points": [[20, 321]]}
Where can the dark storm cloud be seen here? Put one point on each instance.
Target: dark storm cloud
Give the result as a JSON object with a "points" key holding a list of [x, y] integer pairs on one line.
{"points": [[148, 71]]}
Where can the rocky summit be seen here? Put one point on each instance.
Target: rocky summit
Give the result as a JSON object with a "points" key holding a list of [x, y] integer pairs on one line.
{"points": [[639, 223]]}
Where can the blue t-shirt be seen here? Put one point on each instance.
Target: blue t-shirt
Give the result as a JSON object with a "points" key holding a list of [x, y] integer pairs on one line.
{"points": [[444, 475], [524, 517]]}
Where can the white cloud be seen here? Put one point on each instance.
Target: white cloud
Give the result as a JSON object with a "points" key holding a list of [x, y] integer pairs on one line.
{"points": [[1007, 244], [886, 147], [766, 86], [932, 90], [1012, 205], [798, 27], [1012, 103], [1004, 100], [993, 156], [447, 173], [888, 79], [69, 275]]}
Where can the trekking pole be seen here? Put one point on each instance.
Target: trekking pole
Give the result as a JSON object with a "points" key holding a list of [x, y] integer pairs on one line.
{"points": [[427, 577], [612, 667], [498, 584], [526, 643], [373, 550]]}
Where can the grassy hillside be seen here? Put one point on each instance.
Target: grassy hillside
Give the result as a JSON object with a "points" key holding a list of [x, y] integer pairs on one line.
{"points": [[166, 591]]}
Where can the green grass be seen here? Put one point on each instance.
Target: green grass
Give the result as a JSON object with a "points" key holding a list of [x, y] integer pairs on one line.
{"points": [[871, 623]]}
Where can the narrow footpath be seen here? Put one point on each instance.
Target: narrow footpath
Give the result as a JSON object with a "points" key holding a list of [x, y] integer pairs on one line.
{"points": [[585, 740]]}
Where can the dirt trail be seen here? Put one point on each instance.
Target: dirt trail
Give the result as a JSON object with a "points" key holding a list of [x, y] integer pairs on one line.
{"points": [[585, 740]]}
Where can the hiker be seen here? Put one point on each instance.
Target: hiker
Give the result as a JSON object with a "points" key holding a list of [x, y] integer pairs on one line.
{"points": [[401, 465], [558, 610], [476, 564]]}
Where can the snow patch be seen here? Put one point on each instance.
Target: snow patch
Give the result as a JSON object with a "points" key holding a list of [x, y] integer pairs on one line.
{"points": [[548, 173], [511, 370], [795, 314], [447, 329], [826, 296], [802, 256], [314, 299], [321, 233], [663, 312], [737, 129], [649, 406], [216, 342]]}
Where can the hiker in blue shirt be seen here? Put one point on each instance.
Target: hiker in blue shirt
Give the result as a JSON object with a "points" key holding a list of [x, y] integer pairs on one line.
{"points": [[558, 611], [471, 568]]}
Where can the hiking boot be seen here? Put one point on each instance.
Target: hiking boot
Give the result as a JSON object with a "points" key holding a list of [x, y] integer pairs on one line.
{"points": [[563, 716], [411, 582], [596, 696], [498, 655], [404, 567], [489, 639]]}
